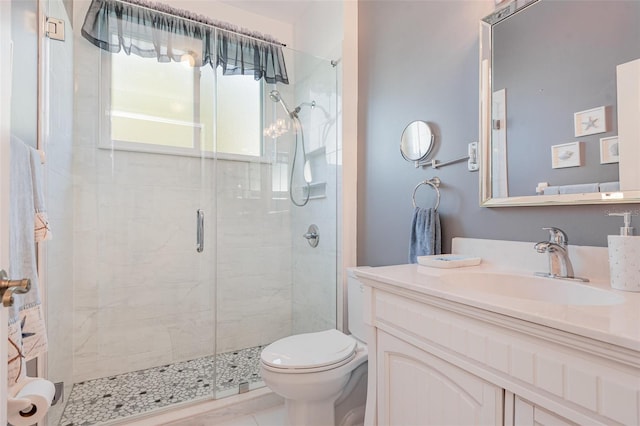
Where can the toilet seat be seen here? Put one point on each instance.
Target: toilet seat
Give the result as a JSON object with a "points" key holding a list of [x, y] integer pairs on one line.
{"points": [[310, 352]]}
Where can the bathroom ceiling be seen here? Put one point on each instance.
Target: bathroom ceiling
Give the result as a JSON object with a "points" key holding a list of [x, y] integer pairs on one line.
{"points": [[288, 11]]}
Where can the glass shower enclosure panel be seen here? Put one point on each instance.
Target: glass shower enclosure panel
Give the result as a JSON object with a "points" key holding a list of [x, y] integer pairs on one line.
{"points": [[315, 268], [271, 282], [135, 183]]}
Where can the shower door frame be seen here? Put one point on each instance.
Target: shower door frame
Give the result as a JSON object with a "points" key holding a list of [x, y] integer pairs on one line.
{"points": [[5, 132], [6, 79]]}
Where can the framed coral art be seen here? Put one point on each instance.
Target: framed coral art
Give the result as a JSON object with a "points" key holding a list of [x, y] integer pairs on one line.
{"points": [[566, 155], [590, 121], [609, 150]]}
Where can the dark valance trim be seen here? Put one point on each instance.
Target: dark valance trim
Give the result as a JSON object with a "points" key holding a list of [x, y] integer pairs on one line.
{"points": [[154, 30]]}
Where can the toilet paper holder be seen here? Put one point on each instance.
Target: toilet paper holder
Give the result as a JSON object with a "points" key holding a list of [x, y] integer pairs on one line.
{"points": [[29, 401], [9, 287]]}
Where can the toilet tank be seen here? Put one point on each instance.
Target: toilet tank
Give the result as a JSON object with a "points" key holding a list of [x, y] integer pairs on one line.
{"points": [[355, 302]]}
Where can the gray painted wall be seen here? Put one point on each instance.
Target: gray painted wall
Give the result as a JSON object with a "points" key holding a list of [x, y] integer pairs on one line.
{"points": [[418, 60]]}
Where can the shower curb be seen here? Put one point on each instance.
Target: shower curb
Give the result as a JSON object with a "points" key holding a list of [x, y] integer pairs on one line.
{"points": [[222, 409]]}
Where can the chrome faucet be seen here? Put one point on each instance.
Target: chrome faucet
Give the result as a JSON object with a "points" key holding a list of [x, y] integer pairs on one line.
{"points": [[557, 248]]}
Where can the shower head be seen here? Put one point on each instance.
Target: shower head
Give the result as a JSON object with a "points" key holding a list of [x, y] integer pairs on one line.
{"points": [[275, 97]]}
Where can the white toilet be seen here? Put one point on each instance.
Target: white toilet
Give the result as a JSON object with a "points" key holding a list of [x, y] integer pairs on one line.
{"points": [[322, 376]]}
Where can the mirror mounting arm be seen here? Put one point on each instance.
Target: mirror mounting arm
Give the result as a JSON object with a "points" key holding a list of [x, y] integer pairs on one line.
{"points": [[435, 164]]}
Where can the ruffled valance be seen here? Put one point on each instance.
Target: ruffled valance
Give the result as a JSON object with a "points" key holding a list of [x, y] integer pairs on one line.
{"points": [[154, 30]]}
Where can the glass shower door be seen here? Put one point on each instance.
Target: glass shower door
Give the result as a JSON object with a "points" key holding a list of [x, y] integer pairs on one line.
{"points": [[135, 229]]}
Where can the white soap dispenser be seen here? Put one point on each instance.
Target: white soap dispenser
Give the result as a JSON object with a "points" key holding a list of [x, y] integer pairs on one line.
{"points": [[624, 256]]}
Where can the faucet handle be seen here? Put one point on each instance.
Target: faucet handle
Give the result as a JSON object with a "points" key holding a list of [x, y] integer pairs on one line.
{"points": [[557, 235]]}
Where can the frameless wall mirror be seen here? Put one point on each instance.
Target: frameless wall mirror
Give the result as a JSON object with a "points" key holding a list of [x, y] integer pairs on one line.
{"points": [[560, 103], [417, 141]]}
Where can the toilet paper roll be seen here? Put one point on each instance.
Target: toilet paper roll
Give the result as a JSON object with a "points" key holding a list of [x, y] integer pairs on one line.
{"points": [[39, 394]]}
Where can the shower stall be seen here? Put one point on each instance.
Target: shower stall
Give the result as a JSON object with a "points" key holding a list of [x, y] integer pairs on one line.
{"points": [[180, 200]]}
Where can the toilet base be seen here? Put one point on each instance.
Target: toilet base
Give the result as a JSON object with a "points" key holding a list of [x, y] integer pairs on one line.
{"points": [[347, 410], [313, 413], [350, 407], [337, 402], [333, 397]]}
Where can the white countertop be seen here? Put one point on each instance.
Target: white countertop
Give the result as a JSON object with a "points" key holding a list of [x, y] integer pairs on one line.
{"points": [[617, 324]]}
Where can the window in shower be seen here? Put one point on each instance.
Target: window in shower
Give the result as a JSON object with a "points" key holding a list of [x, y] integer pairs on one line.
{"points": [[239, 114], [176, 108]]}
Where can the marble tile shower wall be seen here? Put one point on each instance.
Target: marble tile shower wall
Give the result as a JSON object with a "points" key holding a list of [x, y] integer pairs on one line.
{"points": [[143, 296], [254, 257], [315, 269], [150, 299]]}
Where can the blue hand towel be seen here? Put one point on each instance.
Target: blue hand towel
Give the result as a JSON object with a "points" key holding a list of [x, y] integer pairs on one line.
{"points": [[425, 234]]}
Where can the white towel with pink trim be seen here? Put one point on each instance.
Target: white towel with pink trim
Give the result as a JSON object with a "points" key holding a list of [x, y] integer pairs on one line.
{"points": [[27, 332]]}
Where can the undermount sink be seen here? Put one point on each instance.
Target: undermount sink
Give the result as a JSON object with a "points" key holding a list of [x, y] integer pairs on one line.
{"points": [[534, 288]]}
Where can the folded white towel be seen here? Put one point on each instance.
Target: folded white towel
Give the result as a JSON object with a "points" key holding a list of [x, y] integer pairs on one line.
{"points": [[610, 187], [579, 188]]}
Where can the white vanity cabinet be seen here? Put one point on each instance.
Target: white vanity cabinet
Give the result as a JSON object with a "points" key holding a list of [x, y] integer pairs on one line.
{"points": [[417, 388], [528, 414], [435, 360]]}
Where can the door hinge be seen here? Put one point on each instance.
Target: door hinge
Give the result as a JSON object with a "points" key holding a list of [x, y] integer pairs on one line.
{"points": [[54, 28]]}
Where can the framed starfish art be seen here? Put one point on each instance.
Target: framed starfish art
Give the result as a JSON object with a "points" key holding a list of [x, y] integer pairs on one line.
{"points": [[590, 122]]}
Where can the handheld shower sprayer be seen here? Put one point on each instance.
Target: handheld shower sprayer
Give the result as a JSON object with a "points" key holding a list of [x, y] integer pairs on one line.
{"points": [[293, 115]]}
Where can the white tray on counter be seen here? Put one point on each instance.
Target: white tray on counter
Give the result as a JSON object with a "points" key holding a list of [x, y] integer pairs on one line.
{"points": [[447, 261]]}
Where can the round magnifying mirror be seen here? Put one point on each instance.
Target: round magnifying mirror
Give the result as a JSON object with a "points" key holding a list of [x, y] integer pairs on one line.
{"points": [[417, 141]]}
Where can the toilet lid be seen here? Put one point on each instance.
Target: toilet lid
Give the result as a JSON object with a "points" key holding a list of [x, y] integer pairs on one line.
{"points": [[310, 350]]}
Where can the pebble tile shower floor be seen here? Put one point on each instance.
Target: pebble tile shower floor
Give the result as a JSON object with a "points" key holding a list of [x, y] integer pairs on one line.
{"points": [[109, 398]]}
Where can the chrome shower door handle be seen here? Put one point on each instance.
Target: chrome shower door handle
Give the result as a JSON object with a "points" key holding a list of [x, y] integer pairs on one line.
{"points": [[199, 231]]}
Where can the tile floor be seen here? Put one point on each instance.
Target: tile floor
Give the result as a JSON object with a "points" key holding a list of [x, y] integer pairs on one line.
{"points": [[268, 417], [109, 398]]}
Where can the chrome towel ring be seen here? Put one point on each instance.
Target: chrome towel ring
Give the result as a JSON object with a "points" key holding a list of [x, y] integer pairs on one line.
{"points": [[434, 182]]}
